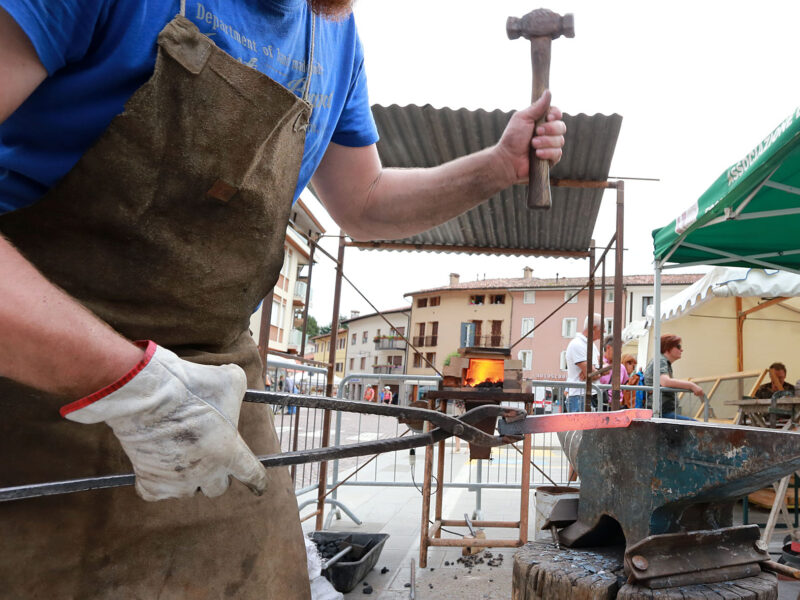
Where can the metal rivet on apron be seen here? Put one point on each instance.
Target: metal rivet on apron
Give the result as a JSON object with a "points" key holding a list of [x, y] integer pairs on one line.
{"points": [[222, 191]]}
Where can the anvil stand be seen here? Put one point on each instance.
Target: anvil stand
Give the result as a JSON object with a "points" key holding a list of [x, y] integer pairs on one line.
{"points": [[432, 536]]}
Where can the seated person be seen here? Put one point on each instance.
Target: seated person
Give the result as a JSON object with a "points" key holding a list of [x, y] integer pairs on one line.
{"points": [[776, 383], [671, 350]]}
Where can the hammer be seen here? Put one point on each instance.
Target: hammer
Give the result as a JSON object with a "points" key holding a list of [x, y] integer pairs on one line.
{"points": [[540, 27]]}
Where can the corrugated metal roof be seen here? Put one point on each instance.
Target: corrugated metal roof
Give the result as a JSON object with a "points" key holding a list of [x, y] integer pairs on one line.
{"points": [[424, 136]]}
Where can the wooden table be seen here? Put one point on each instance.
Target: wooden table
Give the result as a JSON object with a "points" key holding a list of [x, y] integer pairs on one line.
{"points": [[755, 412]]}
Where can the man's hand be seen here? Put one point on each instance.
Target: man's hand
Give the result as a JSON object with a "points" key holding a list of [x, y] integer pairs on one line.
{"points": [[697, 390], [513, 147], [177, 422]]}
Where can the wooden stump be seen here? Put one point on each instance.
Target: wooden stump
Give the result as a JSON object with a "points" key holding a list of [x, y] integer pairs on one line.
{"points": [[543, 573]]}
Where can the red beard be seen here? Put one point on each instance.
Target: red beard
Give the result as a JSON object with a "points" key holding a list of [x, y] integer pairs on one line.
{"points": [[335, 9]]}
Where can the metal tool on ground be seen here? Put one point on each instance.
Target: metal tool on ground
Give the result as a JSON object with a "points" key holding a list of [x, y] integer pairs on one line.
{"points": [[444, 426], [412, 592], [540, 26], [473, 535], [672, 495], [336, 557]]}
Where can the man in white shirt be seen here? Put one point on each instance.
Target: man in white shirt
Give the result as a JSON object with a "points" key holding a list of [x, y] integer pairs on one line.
{"points": [[576, 363]]}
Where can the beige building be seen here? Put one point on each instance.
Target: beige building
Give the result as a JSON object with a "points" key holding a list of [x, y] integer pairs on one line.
{"points": [[322, 348], [472, 315], [289, 294]]}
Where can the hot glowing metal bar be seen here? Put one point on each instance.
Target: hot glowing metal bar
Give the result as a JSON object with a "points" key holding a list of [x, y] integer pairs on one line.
{"points": [[573, 421]]}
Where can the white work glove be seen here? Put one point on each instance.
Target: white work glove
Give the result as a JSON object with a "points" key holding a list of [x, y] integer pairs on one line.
{"points": [[177, 422]]}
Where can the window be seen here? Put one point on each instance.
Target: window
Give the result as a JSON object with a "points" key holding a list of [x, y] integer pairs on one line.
{"points": [[417, 359], [364, 337], [609, 326], [528, 323], [400, 330], [646, 301], [529, 298], [275, 318], [431, 358], [434, 301], [569, 327], [363, 362], [341, 343], [499, 299], [609, 296], [396, 360], [339, 367], [352, 362], [353, 342], [476, 299], [434, 337], [526, 356], [422, 302], [562, 360], [568, 294]]}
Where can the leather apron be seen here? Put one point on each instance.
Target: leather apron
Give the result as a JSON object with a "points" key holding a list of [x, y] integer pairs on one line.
{"points": [[171, 228]]}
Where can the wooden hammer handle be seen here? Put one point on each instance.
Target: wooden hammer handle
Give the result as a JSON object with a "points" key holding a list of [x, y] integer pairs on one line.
{"points": [[539, 176]]}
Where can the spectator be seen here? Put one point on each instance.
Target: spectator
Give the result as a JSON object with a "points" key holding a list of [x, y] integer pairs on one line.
{"points": [[369, 394], [671, 350], [634, 378], [387, 395], [777, 382], [608, 351], [577, 364]]}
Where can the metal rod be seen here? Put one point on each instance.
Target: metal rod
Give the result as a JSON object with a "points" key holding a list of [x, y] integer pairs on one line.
{"points": [[616, 393], [657, 341], [326, 420], [590, 366]]}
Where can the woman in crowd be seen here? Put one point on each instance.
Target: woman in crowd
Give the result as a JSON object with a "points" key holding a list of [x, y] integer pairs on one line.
{"points": [[671, 350]]}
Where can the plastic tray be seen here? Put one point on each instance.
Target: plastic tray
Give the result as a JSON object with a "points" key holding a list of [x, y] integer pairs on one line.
{"points": [[346, 574]]}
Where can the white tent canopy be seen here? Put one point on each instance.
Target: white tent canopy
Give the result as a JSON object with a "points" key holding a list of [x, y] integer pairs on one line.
{"points": [[763, 306], [729, 282]]}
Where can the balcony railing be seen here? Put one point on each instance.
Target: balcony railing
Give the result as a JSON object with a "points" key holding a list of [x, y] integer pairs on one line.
{"points": [[427, 340], [300, 288], [390, 344], [487, 341], [387, 369], [295, 337]]}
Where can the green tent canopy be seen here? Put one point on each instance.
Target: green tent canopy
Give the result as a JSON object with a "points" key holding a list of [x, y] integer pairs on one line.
{"points": [[750, 216]]}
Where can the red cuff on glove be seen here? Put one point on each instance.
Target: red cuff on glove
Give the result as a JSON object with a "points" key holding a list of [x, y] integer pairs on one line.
{"points": [[149, 348]]}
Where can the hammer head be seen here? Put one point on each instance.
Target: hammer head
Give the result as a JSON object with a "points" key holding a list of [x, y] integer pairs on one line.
{"points": [[541, 23]]}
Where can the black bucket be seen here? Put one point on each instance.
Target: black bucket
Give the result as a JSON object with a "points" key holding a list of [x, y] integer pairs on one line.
{"points": [[348, 572]]}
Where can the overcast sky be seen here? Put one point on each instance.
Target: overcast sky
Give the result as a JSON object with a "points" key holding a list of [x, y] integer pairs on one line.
{"points": [[698, 85]]}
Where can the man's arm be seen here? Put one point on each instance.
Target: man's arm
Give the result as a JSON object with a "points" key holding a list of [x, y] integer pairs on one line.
{"points": [[370, 202], [49, 341], [667, 381]]}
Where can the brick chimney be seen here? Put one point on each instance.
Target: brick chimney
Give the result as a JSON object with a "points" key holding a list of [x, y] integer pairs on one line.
{"points": [[454, 277], [527, 273]]}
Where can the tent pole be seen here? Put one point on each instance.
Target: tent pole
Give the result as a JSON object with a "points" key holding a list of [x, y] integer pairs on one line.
{"points": [[657, 341], [616, 395], [590, 366], [740, 317]]}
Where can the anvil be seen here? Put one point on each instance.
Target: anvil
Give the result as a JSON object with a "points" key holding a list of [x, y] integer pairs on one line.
{"points": [[665, 476]]}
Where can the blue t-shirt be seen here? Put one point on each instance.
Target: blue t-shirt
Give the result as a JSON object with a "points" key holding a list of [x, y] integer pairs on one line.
{"points": [[99, 52]]}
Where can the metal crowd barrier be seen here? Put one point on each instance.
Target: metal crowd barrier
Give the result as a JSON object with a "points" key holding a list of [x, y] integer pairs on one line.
{"points": [[502, 471]]}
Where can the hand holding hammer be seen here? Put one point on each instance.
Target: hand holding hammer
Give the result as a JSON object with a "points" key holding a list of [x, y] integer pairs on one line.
{"points": [[540, 26]]}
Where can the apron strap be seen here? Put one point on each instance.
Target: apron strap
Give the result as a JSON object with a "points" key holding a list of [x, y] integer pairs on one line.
{"points": [[310, 69], [183, 8]]}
